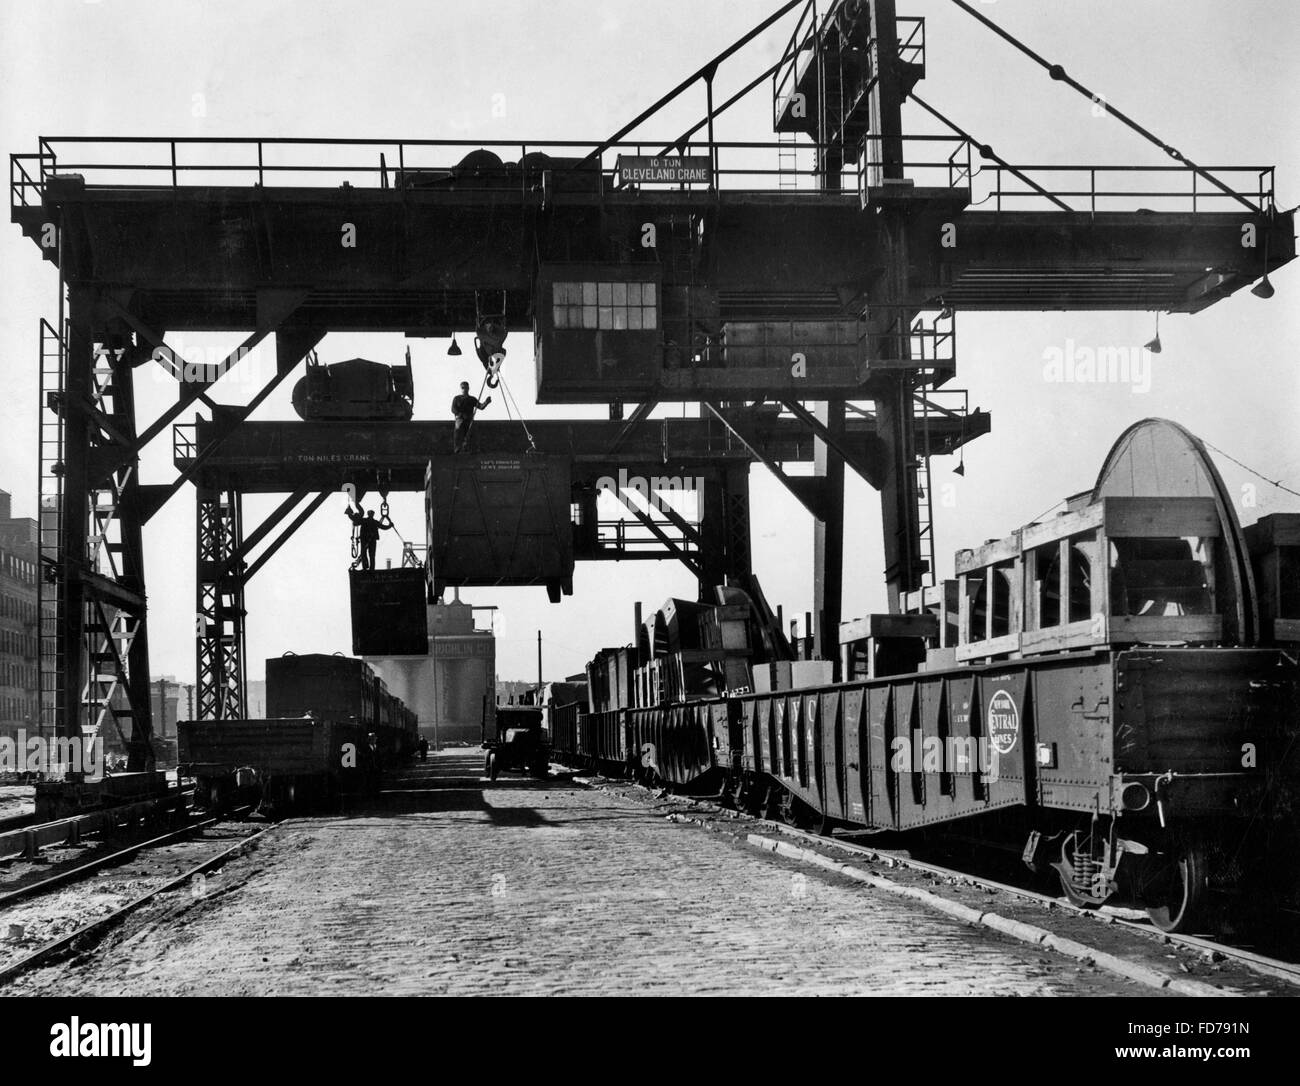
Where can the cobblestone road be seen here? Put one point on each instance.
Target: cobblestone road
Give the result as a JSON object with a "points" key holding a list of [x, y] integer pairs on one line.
{"points": [[455, 885]]}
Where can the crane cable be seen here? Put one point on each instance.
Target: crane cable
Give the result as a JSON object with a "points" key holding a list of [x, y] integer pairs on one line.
{"points": [[1258, 474], [1058, 73], [508, 398]]}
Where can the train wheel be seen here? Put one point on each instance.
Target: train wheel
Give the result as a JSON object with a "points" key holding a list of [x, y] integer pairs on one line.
{"points": [[795, 812], [1175, 888]]}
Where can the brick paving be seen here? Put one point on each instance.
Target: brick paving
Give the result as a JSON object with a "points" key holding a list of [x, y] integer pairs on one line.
{"points": [[453, 885]]}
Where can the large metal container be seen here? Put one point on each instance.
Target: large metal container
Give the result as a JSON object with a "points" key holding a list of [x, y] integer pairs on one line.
{"points": [[329, 687], [389, 617], [499, 520]]}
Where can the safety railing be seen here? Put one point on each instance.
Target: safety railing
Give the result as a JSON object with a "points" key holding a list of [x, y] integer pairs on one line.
{"points": [[635, 537], [911, 41], [462, 165], [185, 442], [1097, 189], [929, 161], [793, 62], [802, 49]]}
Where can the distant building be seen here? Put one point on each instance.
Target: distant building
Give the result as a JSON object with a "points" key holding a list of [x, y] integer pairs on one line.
{"points": [[451, 690], [255, 701], [19, 622], [169, 702]]}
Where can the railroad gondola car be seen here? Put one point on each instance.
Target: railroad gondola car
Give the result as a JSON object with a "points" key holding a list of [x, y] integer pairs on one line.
{"points": [[1106, 689], [341, 689], [282, 765], [332, 727]]}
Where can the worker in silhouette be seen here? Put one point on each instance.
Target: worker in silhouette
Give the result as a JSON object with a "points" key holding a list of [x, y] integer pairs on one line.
{"points": [[368, 529], [463, 408]]}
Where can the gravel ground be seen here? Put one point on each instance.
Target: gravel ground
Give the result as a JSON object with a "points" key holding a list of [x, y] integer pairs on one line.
{"points": [[453, 885]]}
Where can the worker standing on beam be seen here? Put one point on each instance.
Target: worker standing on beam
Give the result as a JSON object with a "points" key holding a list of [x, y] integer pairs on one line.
{"points": [[463, 408]]}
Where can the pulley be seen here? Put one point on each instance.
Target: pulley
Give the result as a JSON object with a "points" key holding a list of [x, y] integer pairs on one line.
{"points": [[490, 337]]}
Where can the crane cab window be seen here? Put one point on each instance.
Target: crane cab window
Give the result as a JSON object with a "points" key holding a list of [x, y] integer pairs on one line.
{"points": [[607, 307]]}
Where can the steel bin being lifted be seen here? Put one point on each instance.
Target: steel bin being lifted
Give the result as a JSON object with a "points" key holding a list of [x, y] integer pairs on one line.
{"points": [[499, 520]]}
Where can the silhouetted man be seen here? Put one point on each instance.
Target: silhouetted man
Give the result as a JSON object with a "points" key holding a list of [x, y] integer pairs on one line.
{"points": [[463, 408], [368, 533]]}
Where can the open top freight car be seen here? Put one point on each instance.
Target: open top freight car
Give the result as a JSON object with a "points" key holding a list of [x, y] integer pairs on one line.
{"points": [[343, 690], [1109, 690]]}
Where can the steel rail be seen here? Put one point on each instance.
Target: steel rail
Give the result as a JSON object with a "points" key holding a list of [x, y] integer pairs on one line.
{"points": [[72, 874], [99, 925]]}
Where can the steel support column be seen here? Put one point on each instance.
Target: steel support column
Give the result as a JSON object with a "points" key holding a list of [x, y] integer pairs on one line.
{"points": [[219, 631], [713, 536], [735, 485], [828, 536], [898, 498], [78, 384], [131, 573]]}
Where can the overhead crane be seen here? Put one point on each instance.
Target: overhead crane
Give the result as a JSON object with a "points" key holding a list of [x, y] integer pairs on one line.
{"points": [[692, 270]]}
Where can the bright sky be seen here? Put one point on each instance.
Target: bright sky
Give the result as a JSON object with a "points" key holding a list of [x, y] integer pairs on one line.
{"points": [[1218, 81]]}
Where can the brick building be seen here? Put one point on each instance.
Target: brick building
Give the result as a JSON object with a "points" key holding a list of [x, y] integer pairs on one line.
{"points": [[19, 628]]}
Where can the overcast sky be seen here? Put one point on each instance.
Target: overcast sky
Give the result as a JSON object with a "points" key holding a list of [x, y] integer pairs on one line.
{"points": [[1216, 80]]}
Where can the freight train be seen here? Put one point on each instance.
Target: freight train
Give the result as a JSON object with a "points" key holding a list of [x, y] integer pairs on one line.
{"points": [[1113, 692], [331, 726]]}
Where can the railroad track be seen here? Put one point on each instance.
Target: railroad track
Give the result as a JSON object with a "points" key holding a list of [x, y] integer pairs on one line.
{"points": [[95, 928], [17, 821], [1263, 965]]}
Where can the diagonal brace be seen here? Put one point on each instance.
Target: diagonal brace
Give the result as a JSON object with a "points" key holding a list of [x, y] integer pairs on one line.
{"points": [[755, 447], [870, 472], [283, 537], [262, 531], [659, 533]]}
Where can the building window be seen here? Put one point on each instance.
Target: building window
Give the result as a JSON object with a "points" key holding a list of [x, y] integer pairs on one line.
{"points": [[607, 307]]}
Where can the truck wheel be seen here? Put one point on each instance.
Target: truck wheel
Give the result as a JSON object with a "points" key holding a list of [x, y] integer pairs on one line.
{"points": [[493, 766]]}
